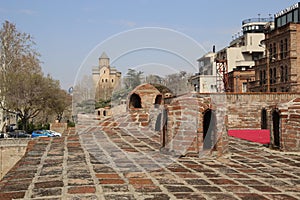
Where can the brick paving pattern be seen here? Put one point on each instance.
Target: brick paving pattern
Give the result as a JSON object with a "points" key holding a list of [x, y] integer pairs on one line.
{"points": [[123, 162]]}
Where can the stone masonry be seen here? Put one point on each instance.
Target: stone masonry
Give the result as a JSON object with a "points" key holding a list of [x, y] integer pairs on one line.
{"points": [[117, 162]]}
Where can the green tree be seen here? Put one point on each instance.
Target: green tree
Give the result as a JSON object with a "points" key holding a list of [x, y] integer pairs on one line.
{"points": [[24, 90], [132, 79]]}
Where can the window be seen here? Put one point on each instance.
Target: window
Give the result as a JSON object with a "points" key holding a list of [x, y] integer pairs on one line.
{"points": [[281, 74], [106, 80], [281, 49], [286, 74], [278, 21], [275, 51], [271, 76], [274, 75], [296, 16], [260, 78], [244, 87], [285, 48], [102, 80], [290, 17], [283, 20], [112, 80]]}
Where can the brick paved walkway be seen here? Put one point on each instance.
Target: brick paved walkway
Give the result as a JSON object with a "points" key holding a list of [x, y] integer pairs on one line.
{"points": [[125, 163]]}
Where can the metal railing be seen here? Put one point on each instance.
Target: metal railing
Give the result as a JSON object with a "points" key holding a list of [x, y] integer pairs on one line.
{"points": [[251, 20]]}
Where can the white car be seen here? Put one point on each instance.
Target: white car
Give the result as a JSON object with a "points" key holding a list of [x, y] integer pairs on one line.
{"points": [[54, 133]]}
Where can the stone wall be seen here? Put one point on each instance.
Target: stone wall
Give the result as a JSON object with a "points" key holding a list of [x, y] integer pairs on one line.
{"points": [[11, 151]]}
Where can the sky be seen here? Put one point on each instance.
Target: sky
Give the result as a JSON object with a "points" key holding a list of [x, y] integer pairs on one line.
{"points": [[162, 36]]}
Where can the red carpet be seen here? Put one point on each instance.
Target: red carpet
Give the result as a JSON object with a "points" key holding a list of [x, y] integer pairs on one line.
{"points": [[259, 136]]}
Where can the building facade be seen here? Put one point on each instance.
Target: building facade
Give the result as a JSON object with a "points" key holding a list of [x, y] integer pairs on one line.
{"points": [[105, 78], [239, 79], [241, 54], [279, 70], [205, 80]]}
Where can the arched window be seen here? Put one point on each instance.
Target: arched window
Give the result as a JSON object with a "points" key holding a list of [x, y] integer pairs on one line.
{"points": [[274, 75], [135, 101], [104, 112], [271, 76], [286, 74], [112, 80], [106, 80], [281, 74]]}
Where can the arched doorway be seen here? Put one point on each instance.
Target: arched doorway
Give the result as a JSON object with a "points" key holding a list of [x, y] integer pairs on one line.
{"points": [[209, 129], [264, 122], [276, 127], [158, 101], [135, 101]]}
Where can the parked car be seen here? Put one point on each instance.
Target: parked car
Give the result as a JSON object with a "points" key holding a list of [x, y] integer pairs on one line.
{"points": [[3, 135], [56, 134], [18, 134], [41, 133], [45, 133]]}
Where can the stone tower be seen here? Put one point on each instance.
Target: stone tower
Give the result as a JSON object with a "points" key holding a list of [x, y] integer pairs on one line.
{"points": [[106, 78]]}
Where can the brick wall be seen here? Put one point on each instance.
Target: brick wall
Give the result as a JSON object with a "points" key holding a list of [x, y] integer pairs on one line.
{"points": [[234, 111], [289, 126], [184, 132], [244, 110]]}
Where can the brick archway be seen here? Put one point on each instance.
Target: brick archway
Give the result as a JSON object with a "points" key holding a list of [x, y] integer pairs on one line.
{"points": [[135, 101], [209, 129], [264, 119], [158, 100]]}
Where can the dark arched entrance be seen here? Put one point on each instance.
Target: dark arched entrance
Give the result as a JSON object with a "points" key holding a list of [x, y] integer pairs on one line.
{"points": [[276, 127], [264, 122], [158, 100], [135, 101], [209, 129]]}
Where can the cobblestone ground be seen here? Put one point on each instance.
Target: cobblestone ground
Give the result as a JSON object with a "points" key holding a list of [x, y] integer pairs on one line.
{"points": [[124, 163]]}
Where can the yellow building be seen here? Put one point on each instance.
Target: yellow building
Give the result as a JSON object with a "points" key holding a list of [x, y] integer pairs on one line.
{"points": [[105, 78]]}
